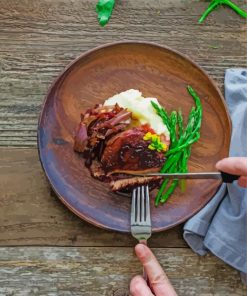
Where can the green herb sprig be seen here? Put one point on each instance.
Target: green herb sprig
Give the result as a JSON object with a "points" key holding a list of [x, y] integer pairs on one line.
{"points": [[104, 9], [181, 139], [155, 142], [215, 3]]}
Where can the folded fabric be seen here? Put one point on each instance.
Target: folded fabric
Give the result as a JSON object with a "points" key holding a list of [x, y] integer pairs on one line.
{"points": [[221, 226]]}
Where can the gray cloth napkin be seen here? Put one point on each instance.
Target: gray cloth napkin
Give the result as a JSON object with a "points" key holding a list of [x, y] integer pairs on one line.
{"points": [[221, 226]]}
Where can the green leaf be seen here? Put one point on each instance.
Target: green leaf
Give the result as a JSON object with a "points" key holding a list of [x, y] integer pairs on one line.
{"points": [[104, 9]]}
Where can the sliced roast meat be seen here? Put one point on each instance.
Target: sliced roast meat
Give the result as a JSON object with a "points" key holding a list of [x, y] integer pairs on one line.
{"points": [[128, 184], [135, 172], [121, 181], [97, 172], [113, 147], [127, 151], [96, 125], [81, 138]]}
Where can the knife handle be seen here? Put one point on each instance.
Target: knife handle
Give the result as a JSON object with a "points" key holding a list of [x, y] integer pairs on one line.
{"points": [[228, 178]]}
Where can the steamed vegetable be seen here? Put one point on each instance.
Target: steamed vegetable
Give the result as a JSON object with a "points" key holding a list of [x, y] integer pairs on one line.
{"points": [[104, 9], [215, 3], [182, 137], [156, 143]]}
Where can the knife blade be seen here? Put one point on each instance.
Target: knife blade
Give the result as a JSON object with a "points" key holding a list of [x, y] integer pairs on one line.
{"points": [[225, 177]]}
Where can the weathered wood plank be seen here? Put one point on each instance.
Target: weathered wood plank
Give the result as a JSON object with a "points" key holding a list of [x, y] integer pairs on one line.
{"points": [[100, 271], [39, 38], [30, 214]]}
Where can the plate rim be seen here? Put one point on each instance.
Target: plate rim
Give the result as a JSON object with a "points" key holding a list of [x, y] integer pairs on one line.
{"points": [[92, 221]]}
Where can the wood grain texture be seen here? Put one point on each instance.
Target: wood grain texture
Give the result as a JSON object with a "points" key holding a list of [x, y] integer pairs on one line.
{"points": [[157, 72], [39, 38], [107, 272], [30, 213]]}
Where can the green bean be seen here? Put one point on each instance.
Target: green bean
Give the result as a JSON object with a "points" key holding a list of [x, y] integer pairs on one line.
{"points": [[169, 191], [198, 105], [186, 144], [163, 114], [210, 8], [188, 152], [189, 127], [170, 161], [187, 156], [190, 131], [180, 124], [237, 9], [174, 168], [192, 135], [214, 3], [183, 185], [183, 167], [173, 123], [181, 139], [162, 188], [165, 182], [184, 162], [194, 96]]}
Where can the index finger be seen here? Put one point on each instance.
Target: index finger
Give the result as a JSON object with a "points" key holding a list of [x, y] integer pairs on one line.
{"points": [[233, 165], [156, 275]]}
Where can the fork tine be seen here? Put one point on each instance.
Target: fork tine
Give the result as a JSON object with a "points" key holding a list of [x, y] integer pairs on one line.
{"points": [[140, 227], [138, 204], [143, 214], [133, 207], [147, 205]]}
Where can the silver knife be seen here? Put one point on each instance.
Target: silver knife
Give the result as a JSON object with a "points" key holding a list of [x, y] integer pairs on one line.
{"points": [[225, 177]]}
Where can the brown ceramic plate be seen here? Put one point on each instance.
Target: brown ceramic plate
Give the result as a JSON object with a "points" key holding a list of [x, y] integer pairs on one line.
{"points": [[156, 71]]}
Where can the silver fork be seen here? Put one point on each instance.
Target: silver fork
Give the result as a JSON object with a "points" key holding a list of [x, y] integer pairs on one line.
{"points": [[141, 228]]}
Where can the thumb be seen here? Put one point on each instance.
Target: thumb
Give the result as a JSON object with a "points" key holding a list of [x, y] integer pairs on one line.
{"points": [[236, 166], [233, 165]]}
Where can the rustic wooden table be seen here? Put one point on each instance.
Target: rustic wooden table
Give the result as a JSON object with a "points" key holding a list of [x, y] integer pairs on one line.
{"points": [[45, 249]]}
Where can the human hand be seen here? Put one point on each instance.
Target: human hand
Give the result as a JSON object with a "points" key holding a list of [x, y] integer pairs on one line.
{"points": [[158, 280], [236, 166]]}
